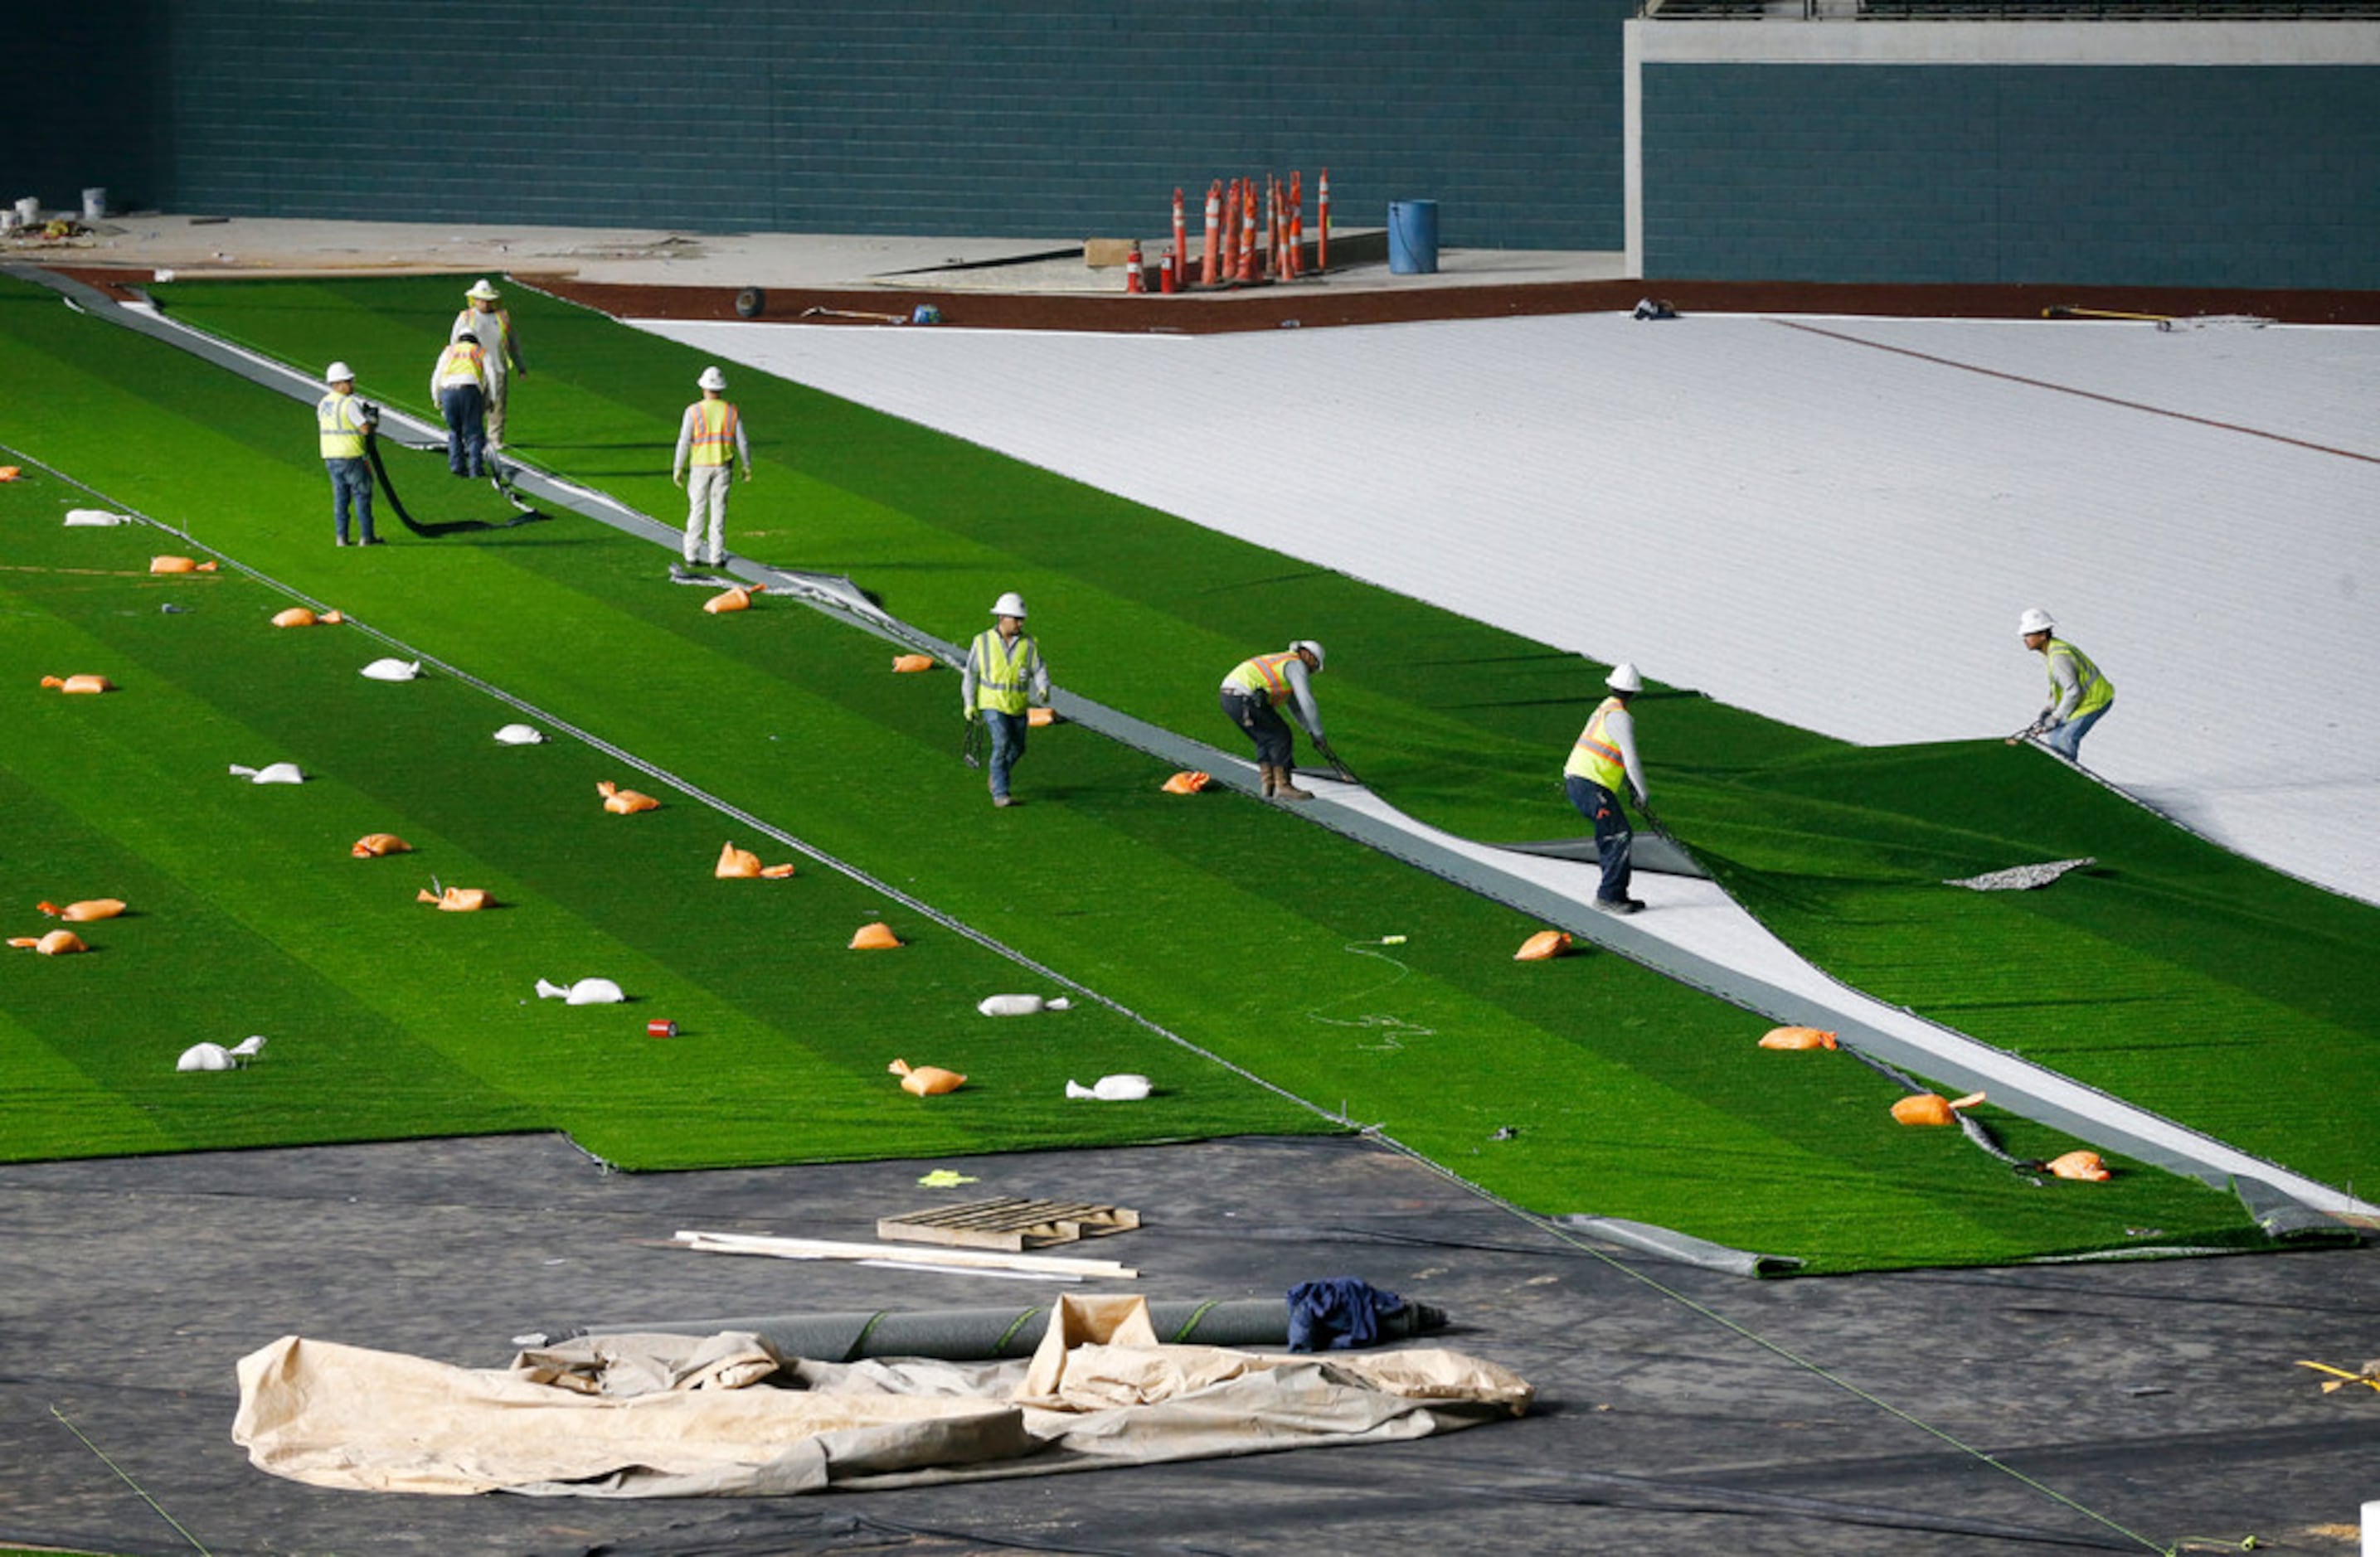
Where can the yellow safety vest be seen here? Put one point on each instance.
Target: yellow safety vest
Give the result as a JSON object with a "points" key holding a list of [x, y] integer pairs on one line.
{"points": [[1594, 757], [1265, 674], [499, 349], [714, 432], [2097, 690], [342, 427], [461, 363], [1003, 670]]}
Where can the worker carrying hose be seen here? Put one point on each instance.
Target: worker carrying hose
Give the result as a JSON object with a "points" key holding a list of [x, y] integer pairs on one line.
{"points": [[1005, 675], [2078, 692], [492, 328], [459, 385], [345, 422], [1252, 695], [710, 443], [1602, 763]]}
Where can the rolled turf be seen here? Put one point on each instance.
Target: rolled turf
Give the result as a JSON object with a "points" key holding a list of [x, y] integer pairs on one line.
{"points": [[1587, 1084]]}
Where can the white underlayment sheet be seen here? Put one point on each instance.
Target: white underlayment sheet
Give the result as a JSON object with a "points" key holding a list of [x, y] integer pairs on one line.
{"points": [[1831, 521]]}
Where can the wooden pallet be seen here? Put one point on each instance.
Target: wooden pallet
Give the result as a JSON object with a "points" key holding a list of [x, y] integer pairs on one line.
{"points": [[1008, 1223]]}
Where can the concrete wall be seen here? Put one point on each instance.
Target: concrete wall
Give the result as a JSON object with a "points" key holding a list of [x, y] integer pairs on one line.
{"points": [[1056, 118], [2131, 154]]}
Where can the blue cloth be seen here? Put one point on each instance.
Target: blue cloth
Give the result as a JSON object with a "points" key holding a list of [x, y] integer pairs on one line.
{"points": [[1337, 1313], [1613, 841], [2066, 738], [351, 485], [1007, 746], [466, 410]]}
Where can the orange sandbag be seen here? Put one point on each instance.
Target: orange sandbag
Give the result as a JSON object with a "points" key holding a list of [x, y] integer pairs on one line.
{"points": [[877, 936], [926, 1081], [180, 565], [908, 664], [1797, 1038], [84, 684], [10, 472], [1188, 783], [2081, 1164], [456, 900], [741, 864], [1932, 1108], [298, 616], [371, 845], [85, 911], [736, 599], [1036, 718], [624, 803], [1544, 944], [57, 942]]}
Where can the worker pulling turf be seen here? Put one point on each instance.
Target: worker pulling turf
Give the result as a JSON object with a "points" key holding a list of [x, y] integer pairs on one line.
{"points": [[1252, 695], [1005, 676], [1602, 762], [2078, 692], [346, 424]]}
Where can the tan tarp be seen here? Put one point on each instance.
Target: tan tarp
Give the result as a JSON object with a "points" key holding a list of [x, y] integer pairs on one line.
{"points": [[673, 1416]]}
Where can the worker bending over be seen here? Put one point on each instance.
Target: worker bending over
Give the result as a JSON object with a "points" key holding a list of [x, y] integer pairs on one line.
{"points": [[710, 441], [1004, 666], [459, 385], [2078, 694], [1252, 695], [1602, 763]]}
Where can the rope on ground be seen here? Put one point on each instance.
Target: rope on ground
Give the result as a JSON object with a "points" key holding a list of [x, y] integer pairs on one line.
{"points": [[1388, 1028], [196, 1544]]}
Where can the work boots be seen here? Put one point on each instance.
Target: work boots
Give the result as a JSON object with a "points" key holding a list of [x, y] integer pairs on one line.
{"points": [[1284, 784], [1271, 773]]}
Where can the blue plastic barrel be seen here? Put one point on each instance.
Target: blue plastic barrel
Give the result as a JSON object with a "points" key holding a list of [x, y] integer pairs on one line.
{"points": [[1413, 237]]}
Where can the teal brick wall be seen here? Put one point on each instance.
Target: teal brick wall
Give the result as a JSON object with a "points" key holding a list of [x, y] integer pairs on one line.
{"points": [[1052, 118], [2143, 175]]}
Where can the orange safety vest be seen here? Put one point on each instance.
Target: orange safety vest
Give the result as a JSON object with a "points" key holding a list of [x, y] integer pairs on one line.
{"points": [[1594, 757], [1264, 674]]}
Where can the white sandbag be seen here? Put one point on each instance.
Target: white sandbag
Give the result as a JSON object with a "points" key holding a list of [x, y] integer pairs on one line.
{"points": [[1018, 1005], [95, 516], [215, 1056], [271, 773], [1112, 1088], [392, 669], [520, 735], [585, 991]]}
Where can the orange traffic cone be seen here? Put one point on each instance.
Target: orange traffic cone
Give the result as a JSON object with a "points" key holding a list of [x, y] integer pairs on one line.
{"points": [[1214, 233]]}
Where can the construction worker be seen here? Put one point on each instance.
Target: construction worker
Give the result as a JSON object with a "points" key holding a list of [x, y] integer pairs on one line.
{"points": [[712, 438], [1602, 763], [1003, 665], [492, 328], [1252, 695], [459, 385], [345, 422], [2078, 692]]}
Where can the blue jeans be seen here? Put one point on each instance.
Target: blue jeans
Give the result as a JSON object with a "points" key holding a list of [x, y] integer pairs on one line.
{"points": [[2068, 738], [466, 410], [1613, 839], [351, 482], [1007, 746]]}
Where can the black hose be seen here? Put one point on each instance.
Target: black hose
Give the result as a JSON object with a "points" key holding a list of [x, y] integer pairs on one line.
{"points": [[450, 527]]}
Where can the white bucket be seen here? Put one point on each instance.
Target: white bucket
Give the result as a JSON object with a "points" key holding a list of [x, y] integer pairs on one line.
{"points": [[94, 204], [7, 219], [29, 210]]}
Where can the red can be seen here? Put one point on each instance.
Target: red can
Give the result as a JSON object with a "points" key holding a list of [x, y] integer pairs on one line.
{"points": [[660, 1029]]}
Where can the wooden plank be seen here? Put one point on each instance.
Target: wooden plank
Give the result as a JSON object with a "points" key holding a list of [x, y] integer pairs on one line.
{"points": [[957, 1258]]}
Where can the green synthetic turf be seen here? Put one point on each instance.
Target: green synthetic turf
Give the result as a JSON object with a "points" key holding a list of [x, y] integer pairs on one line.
{"points": [[1587, 1084]]}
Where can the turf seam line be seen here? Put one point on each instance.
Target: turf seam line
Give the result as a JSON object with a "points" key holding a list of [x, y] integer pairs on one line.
{"points": [[143, 1491]]}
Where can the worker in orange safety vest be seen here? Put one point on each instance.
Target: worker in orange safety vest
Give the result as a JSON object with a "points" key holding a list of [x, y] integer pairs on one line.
{"points": [[1603, 763]]}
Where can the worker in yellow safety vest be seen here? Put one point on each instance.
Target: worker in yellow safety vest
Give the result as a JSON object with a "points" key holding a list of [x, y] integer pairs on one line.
{"points": [[2078, 692], [1603, 763], [492, 328], [1252, 695], [710, 442], [345, 422], [1005, 676], [459, 386]]}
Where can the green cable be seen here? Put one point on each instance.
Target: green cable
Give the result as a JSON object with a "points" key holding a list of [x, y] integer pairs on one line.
{"points": [[1013, 1326], [1183, 1334], [865, 1331], [136, 1486]]}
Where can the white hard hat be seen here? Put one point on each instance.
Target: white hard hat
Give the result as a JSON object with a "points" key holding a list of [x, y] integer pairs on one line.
{"points": [[712, 379], [1309, 645], [1010, 604], [2034, 620], [1623, 678], [338, 373], [482, 289]]}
